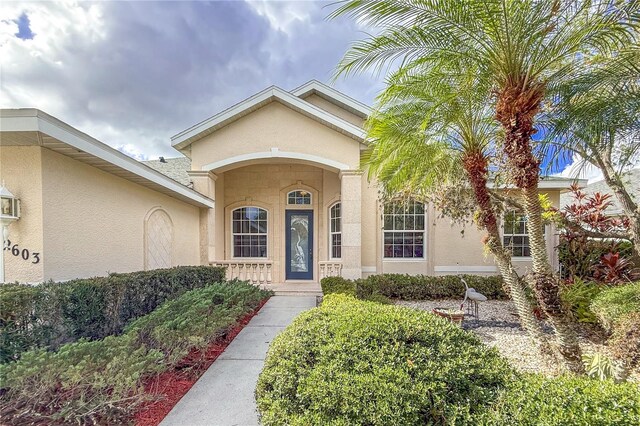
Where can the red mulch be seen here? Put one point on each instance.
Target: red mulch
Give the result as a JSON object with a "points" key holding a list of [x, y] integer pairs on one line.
{"points": [[169, 387]]}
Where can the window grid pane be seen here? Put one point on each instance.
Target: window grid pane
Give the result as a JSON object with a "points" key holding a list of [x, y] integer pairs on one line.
{"points": [[249, 229], [299, 197], [516, 234], [404, 227], [335, 231]]}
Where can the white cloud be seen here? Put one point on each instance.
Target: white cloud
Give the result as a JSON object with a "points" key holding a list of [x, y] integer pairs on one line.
{"points": [[580, 169], [135, 73]]}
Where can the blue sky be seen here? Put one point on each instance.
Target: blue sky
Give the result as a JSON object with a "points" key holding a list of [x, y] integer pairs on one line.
{"points": [[132, 74]]}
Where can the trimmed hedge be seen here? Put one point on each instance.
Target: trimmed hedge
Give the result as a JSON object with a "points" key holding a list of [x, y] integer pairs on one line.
{"points": [[51, 314], [100, 382], [415, 287], [567, 401], [615, 302], [351, 362]]}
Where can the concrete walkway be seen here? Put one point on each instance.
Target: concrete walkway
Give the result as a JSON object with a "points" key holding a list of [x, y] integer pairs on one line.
{"points": [[224, 395]]}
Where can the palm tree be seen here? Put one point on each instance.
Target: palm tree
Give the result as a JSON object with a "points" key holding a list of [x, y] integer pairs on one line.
{"points": [[425, 128], [522, 48], [597, 117]]}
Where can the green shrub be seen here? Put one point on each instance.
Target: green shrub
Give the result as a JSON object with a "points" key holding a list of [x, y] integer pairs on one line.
{"points": [[416, 287], [351, 362], [51, 314], [577, 297], [196, 318], [100, 382], [615, 302], [84, 382], [337, 285], [567, 401]]}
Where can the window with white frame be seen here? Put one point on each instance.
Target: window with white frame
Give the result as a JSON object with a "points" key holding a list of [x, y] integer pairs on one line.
{"points": [[515, 236], [299, 197], [404, 225], [335, 231], [249, 232]]}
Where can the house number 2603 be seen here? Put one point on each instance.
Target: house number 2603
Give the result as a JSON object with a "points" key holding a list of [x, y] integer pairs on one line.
{"points": [[24, 253]]}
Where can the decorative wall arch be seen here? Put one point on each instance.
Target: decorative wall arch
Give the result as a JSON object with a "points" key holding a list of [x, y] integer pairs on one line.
{"points": [[158, 239], [243, 159]]}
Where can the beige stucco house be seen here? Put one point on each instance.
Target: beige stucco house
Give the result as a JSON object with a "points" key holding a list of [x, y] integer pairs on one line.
{"points": [[270, 187]]}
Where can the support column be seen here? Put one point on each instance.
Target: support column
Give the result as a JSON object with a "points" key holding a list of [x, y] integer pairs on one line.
{"points": [[205, 183], [351, 209]]}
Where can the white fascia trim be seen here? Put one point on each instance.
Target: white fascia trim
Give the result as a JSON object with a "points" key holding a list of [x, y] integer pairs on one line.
{"points": [[185, 137], [33, 120], [330, 92], [546, 183], [275, 153], [462, 268]]}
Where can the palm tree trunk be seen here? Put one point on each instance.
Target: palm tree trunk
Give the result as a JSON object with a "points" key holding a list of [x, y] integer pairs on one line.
{"points": [[515, 110], [476, 167], [546, 284]]}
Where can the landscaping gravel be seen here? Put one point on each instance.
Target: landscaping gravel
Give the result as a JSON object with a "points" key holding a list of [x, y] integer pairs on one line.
{"points": [[498, 326]]}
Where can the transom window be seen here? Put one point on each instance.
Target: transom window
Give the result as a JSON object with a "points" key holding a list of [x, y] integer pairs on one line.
{"points": [[335, 230], [404, 230], [299, 197], [249, 229], [516, 233]]}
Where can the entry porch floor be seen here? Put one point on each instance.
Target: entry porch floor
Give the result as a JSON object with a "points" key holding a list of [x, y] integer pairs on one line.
{"points": [[301, 288]]}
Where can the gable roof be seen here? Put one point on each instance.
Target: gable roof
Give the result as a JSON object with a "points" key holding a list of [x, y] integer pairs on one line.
{"points": [[175, 168], [260, 99], [30, 126], [332, 95]]}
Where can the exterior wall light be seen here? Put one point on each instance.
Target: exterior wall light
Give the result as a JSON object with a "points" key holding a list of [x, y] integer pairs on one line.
{"points": [[9, 212]]}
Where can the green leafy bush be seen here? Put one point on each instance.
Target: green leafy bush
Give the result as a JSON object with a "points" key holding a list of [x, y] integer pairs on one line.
{"points": [[615, 302], [100, 382], [351, 362], [567, 401], [196, 318], [415, 287], [51, 314], [337, 285], [577, 297]]}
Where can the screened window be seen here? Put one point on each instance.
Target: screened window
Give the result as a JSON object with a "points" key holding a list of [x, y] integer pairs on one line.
{"points": [[335, 230], [404, 230], [249, 229], [516, 234], [299, 197]]}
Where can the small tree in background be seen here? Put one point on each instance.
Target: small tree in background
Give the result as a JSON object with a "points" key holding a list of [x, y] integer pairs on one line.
{"points": [[432, 136]]}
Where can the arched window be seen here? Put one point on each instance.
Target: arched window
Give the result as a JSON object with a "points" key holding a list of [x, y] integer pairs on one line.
{"points": [[404, 227], [249, 232], [299, 197], [158, 240], [335, 231]]}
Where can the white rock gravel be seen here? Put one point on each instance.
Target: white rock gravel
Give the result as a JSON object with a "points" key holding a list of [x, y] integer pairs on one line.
{"points": [[498, 326]]}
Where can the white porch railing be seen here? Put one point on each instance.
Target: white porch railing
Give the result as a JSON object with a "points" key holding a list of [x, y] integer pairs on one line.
{"points": [[258, 273], [330, 269]]}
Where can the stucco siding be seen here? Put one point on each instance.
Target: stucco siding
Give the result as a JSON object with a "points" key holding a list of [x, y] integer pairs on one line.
{"points": [[20, 168], [334, 109], [275, 126], [94, 222]]}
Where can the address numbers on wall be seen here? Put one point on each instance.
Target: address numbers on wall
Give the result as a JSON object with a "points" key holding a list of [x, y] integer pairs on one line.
{"points": [[23, 253]]}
